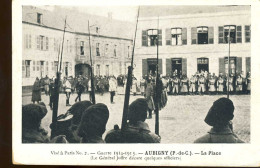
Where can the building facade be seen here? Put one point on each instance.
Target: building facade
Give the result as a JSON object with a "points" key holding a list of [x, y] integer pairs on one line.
{"points": [[194, 42], [42, 44]]}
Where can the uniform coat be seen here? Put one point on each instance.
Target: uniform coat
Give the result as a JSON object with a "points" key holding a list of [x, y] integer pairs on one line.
{"points": [[36, 91], [149, 96]]}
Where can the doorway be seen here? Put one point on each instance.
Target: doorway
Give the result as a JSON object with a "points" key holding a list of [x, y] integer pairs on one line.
{"points": [[177, 66], [202, 64], [82, 69], [152, 66]]}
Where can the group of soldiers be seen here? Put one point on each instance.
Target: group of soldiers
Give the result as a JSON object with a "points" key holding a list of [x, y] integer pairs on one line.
{"points": [[205, 83]]}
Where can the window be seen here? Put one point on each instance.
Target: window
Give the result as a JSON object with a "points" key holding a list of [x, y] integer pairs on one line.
{"points": [[115, 51], [152, 37], [106, 49], [98, 70], [39, 18], [202, 35], [82, 48], [234, 31], [28, 41], [232, 65], [27, 68], [176, 36], [248, 34], [97, 49], [42, 43]]}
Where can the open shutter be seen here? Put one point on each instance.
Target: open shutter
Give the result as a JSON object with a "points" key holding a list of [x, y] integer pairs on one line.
{"points": [[160, 66], [168, 66], [211, 35], [248, 65], [44, 43], [184, 66], [222, 65], [38, 42], [220, 34], [239, 65], [193, 35], [144, 65], [168, 36], [184, 36], [160, 37], [239, 34], [144, 38]]}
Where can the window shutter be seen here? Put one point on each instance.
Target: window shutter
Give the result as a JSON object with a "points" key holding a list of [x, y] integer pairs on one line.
{"points": [[47, 43], [193, 35], [184, 66], [248, 65], [144, 65], [160, 66], [160, 37], [184, 36], [168, 66], [168, 36], [211, 35], [220, 34], [144, 38], [44, 43], [78, 47], [239, 65], [247, 34], [38, 42], [239, 34], [222, 66]]}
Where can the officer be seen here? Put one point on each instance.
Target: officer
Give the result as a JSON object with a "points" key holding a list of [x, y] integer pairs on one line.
{"points": [[176, 82], [201, 84], [219, 117], [93, 123], [137, 130], [192, 85]]}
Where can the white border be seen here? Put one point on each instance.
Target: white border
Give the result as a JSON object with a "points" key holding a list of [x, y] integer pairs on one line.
{"points": [[232, 155]]}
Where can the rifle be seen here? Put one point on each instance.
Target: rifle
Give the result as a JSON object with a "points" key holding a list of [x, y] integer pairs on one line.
{"points": [[91, 71], [129, 82], [156, 85], [57, 90]]}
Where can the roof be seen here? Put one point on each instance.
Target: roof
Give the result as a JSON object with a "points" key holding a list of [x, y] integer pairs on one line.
{"points": [[154, 11], [78, 22]]}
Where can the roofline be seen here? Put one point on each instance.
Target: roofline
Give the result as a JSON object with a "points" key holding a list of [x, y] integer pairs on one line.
{"points": [[77, 33]]}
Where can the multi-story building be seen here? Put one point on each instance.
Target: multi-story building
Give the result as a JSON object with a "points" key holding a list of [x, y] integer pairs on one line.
{"points": [[193, 38], [110, 41]]}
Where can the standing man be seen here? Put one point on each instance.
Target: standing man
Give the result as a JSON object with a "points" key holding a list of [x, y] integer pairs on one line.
{"points": [[201, 84], [142, 86], [134, 86], [51, 93], [46, 85], [80, 89], [67, 87], [36, 91], [248, 83], [112, 88], [220, 84], [149, 98], [184, 84], [192, 85], [176, 83], [211, 85], [239, 85]]}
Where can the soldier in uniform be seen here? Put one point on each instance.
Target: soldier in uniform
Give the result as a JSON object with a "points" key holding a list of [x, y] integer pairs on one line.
{"points": [[176, 82], [230, 83], [142, 86], [149, 98], [239, 85], [80, 89], [201, 84], [219, 117], [93, 123], [137, 130], [36, 91], [67, 87], [211, 85], [248, 83], [220, 85], [51, 91], [184, 85], [112, 88], [134, 86], [192, 85], [46, 85], [169, 88]]}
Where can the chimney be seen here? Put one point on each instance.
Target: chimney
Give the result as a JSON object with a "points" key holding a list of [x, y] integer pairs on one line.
{"points": [[110, 15]]}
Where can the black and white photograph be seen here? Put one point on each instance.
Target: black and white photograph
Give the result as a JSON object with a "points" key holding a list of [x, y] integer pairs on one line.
{"points": [[136, 74]]}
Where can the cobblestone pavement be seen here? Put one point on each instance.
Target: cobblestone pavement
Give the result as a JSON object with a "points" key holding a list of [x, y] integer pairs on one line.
{"points": [[181, 121]]}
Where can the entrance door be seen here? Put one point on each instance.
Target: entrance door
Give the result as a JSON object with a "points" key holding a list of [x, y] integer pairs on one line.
{"points": [[203, 64], [82, 69], [177, 66]]}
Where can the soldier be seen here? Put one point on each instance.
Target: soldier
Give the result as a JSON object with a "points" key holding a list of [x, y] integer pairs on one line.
{"points": [[46, 85], [137, 130], [176, 82], [201, 84], [149, 98], [192, 84], [184, 84], [169, 88], [239, 85], [219, 117], [230, 83], [112, 88], [80, 89], [67, 87], [142, 86], [211, 85], [220, 85], [36, 91], [51, 91], [32, 132], [134, 86], [93, 123]]}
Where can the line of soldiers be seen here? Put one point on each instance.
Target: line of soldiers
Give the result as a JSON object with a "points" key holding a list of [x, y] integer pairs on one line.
{"points": [[200, 83]]}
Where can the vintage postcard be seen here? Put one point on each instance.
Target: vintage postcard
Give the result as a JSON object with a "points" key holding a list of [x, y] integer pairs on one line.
{"points": [[136, 83]]}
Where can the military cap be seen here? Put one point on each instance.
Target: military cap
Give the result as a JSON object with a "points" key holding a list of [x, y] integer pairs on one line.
{"points": [[220, 113], [138, 110]]}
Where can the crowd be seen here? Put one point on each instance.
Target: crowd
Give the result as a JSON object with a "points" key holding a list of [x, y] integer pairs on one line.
{"points": [[85, 122]]}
